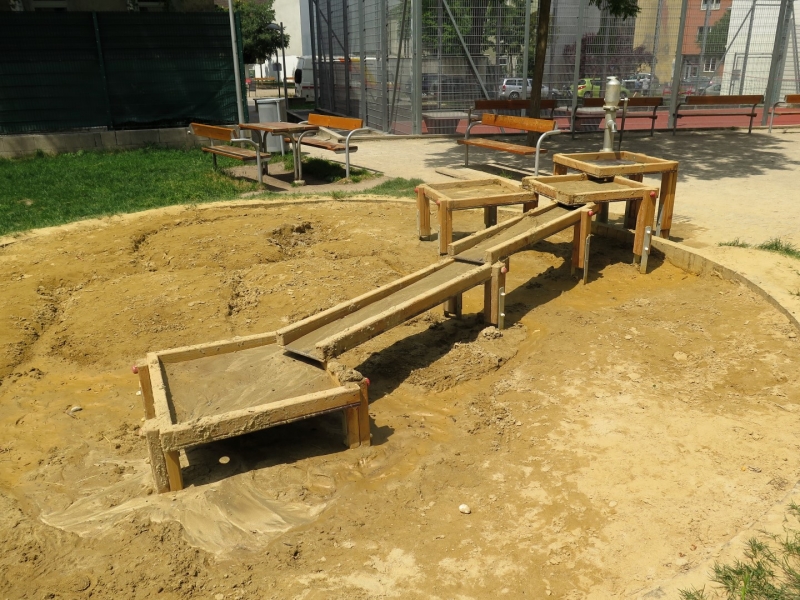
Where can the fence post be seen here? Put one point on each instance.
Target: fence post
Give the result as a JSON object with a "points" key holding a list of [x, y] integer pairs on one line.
{"points": [[677, 65], [526, 39], [102, 65], [416, 67], [746, 48], [576, 74], [776, 65], [235, 53], [346, 51], [362, 52], [313, 26], [384, 28]]}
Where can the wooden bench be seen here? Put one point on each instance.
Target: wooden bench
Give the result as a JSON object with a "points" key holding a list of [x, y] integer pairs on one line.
{"points": [[546, 127], [794, 109], [752, 101], [225, 134], [518, 106], [327, 123], [636, 102]]}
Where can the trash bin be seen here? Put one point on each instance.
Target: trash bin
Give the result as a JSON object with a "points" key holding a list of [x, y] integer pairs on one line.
{"points": [[272, 110]]}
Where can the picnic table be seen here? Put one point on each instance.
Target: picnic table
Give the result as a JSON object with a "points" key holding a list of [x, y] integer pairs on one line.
{"points": [[291, 131]]}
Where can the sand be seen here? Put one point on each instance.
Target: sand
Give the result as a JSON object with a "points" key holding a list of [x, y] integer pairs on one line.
{"points": [[615, 436]]}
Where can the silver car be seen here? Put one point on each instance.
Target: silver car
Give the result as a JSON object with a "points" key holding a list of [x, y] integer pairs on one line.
{"points": [[511, 89]]}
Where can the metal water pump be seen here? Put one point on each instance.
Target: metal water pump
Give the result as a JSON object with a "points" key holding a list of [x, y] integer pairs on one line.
{"points": [[610, 105]]}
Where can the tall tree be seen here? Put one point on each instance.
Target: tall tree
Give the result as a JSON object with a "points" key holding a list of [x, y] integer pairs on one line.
{"points": [[258, 42], [717, 37], [616, 8]]}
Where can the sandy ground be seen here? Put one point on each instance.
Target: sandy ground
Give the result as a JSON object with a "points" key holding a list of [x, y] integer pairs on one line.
{"points": [[615, 436]]}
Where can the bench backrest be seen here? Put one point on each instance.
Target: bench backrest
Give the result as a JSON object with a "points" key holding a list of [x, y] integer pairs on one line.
{"points": [[792, 99], [546, 104], [632, 101], [332, 122], [213, 132], [524, 123], [730, 100]]}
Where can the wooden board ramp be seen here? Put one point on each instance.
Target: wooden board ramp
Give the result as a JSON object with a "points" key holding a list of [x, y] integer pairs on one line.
{"points": [[336, 330]]}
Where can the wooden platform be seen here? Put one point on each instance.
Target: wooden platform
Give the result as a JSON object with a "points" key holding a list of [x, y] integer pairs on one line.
{"points": [[210, 392]]}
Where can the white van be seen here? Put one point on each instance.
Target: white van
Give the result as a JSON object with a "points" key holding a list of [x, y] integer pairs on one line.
{"points": [[304, 79]]}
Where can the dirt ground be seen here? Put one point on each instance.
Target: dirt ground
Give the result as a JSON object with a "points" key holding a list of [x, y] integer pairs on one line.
{"points": [[614, 436]]}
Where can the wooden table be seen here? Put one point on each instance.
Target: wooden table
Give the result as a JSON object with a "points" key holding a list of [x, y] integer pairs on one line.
{"points": [[462, 195], [289, 129], [604, 165], [581, 189]]}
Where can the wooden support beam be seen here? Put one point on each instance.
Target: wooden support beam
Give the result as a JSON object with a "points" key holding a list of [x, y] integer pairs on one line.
{"points": [[173, 460], [491, 294], [452, 307], [532, 205], [585, 230], [256, 418], [352, 435], [163, 411], [423, 214], [445, 225], [146, 387], [489, 217], [185, 353], [645, 218], [158, 463], [363, 413], [669, 181]]}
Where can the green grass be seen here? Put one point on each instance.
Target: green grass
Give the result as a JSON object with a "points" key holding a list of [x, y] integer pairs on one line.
{"points": [[397, 187], [323, 170], [50, 190], [771, 245], [770, 570]]}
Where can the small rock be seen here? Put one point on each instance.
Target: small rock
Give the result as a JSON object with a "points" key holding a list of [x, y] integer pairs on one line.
{"points": [[793, 335], [75, 409], [612, 504], [634, 376], [518, 423], [681, 562], [219, 597], [628, 337], [680, 356], [464, 509], [139, 393]]}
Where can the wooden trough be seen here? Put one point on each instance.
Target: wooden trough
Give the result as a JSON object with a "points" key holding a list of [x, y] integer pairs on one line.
{"points": [[200, 394]]}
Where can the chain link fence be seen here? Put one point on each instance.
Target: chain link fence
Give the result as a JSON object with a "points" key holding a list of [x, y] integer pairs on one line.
{"points": [[417, 66]]}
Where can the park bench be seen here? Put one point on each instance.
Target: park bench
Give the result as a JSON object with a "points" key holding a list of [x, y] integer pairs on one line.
{"points": [[546, 127], [747, 107], [328, 123], [640, 104], [507, 106], [226, 134], [792, 107]]}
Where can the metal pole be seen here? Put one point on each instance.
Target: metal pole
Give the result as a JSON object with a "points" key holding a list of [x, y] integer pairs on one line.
{"points": [[466, 49], [778, 53], [313, 25], [656, 40], [332, 82], [747, 47], [702, 68], [576, 74], [362, 54], [283, 55], [384, 62], [346, 49], [416, 67], [794, 53], [237, 79], [678, 66], [525, 50]]}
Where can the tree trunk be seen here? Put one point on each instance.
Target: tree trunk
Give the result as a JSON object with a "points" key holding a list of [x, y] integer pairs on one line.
{"points": [[542, 33]]}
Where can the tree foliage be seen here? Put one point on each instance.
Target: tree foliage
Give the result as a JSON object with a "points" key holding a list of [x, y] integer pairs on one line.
{"points": [[258, 42], [604, 53], [717, 37]]}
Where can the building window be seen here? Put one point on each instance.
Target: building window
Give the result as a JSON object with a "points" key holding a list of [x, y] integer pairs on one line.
{"points": [[502, 61], [704, 4], [710, 64], [50, 5]]}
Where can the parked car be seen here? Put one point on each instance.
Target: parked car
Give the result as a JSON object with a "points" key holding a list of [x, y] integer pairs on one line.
{"points": [[589, 88], [712, 90], [511, 89], [449, 87]]}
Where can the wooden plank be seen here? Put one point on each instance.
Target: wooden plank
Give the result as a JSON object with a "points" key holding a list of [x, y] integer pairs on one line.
{"points": [[499, 200], [467, 183], [587, 162], [158, 464], [584, 229], [669, 182], [185, 353], [792, 99], [445, 225], [579, 189], [423, 213], [522, 241], [491, 293], [636, 101], [459, 247], [363, 413], [334, 122], [146, 387], [238, 422], [173, 461], [524, 123], [297, 330], [502, 146], [212, 132], [724, 100], [162, 408], [242, 154], [361, 332], [647, 212]]}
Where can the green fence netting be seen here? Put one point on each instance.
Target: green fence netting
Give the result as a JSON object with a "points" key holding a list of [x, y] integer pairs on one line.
{"points": [[63, 71]]}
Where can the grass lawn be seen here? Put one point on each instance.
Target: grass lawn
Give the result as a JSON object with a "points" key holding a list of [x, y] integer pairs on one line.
{"points": [[42, 191]]}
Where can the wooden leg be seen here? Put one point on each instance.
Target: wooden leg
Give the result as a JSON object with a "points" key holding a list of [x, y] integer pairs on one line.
{"points": [[173, 460], [559, 169], [158, 464], [526, 206], [146, 388], [490, 216], [669, 182], [584, 231], [363, 414], [632, 206], [491, 298], [602, 213], [352, 435], [445, 226], [423, 214], [645, 219], [452, 308]]}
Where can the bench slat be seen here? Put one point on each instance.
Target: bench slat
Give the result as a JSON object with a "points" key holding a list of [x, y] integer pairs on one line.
{"points": [[332, 122], [724, 100], [242, 154], [504, 146], [324, 144], [212, 132], [524, 123], [716, 113]]}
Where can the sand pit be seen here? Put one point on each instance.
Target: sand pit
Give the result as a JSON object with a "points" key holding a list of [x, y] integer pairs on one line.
{"points": [[615, 435]]}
